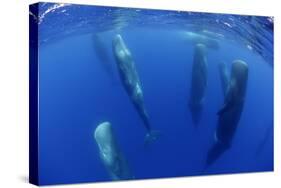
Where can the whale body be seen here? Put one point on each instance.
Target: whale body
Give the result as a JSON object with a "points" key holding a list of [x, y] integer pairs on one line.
{"points": [[198, 82], [110, 154], [131, 82], [230, 113]]}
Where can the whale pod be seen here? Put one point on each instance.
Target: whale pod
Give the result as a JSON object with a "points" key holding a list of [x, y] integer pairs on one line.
{"points": [[110, 154]]}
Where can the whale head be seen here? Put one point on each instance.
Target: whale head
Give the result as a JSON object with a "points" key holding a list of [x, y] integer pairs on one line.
{"points": [[118, 38], [110, 153], [240, 72], [200, 49], [103, 134], [105, 141], [107, 149]]}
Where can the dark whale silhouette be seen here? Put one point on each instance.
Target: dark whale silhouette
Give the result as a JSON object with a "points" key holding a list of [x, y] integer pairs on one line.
{"points": [[230, 113], [198, 82], [131, 82]]}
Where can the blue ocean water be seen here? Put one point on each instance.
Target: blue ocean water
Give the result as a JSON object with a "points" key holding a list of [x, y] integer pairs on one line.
{"points": [[80, 87]]}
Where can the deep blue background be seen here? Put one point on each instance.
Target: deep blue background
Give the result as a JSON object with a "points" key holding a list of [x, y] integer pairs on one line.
{"points": [[77, 92]]}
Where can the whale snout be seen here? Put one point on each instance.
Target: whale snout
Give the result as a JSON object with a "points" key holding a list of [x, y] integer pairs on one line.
{"points": [[200, 48], [102, 129], [103, 135], [240, 69], [118, 38], [239, 64]]}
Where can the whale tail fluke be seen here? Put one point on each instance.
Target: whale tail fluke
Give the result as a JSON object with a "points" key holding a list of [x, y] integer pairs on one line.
{"points": [[151, 137]]}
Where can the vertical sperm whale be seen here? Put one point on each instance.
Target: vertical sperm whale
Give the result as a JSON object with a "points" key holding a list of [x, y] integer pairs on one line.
{"points": [[131, 82], [198, 82], [110, 153], [230, 113]]}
